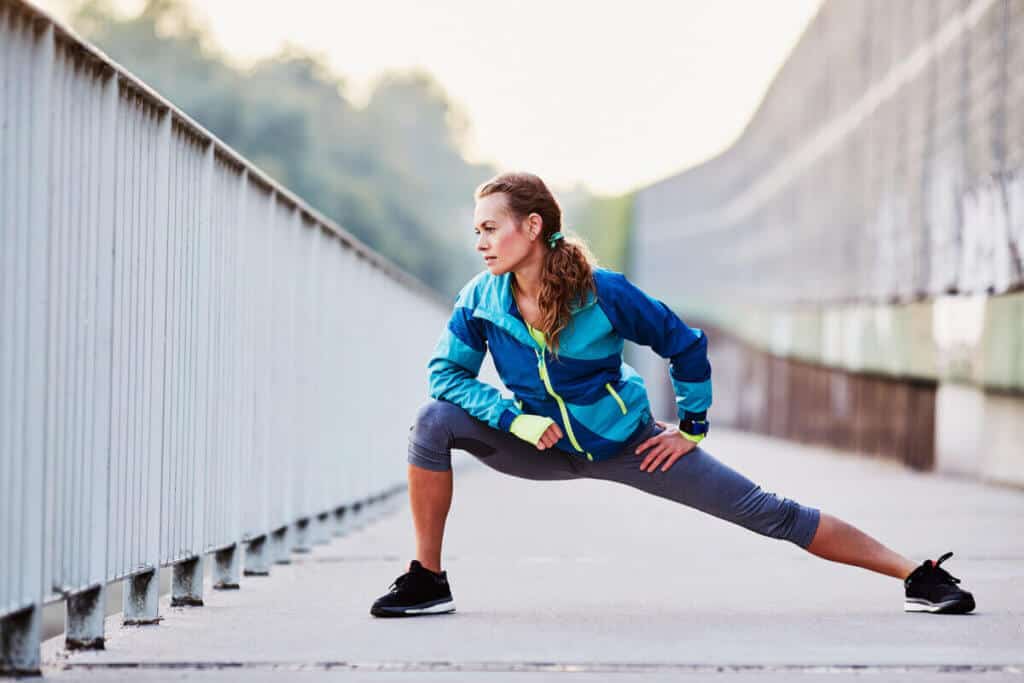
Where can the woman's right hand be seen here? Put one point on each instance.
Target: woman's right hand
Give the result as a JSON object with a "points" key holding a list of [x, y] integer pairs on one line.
{"points": [[550, 437], [538, 430]]}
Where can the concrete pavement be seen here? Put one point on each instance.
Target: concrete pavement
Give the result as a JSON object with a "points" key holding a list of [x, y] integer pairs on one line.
{"points": [[602, 581]]}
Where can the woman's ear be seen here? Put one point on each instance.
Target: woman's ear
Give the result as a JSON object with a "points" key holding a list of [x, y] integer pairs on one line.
{"points": [[536, 225]]}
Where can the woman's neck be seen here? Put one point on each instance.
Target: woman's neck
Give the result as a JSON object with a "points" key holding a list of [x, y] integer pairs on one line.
{"points": [[527, 284], [527, 279]]}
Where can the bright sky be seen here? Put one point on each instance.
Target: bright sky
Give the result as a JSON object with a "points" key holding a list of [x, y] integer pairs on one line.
{"points": [[613, 95]]}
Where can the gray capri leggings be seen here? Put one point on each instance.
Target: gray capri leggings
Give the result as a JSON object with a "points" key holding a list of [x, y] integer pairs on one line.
{"points": [[697, 479]]}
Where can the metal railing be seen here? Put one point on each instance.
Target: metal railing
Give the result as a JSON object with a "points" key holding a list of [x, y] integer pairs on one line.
{"points": [[191, 358]]}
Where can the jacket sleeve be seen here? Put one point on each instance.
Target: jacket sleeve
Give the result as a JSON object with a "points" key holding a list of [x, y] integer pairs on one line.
{"points": [[455, 364], [645, 320]]}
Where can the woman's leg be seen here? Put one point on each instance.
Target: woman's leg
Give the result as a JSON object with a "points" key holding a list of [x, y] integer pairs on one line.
{"points": [[430, 496], [700, 481], [441, 426], [839, 541]]}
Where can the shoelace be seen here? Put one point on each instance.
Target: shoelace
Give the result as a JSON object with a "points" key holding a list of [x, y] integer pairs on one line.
{"points": [[942, 572], [397, 583]]}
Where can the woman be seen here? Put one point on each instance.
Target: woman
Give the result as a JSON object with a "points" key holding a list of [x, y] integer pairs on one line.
{"points": [[555, 324]]}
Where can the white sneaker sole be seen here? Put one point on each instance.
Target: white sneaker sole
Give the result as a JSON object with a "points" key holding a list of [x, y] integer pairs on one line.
{"points": [[440, 608], [920, 605]]}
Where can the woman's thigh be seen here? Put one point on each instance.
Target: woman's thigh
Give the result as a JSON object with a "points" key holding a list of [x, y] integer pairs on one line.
{"points": [[701, 481], [441, 426]]}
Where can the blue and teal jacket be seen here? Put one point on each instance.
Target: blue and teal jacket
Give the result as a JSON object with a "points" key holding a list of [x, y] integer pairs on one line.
{"points": [[598, 400]]}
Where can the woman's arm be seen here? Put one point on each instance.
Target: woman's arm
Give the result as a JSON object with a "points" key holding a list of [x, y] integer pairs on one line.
{"points": [[645, 320], [455, 364]]}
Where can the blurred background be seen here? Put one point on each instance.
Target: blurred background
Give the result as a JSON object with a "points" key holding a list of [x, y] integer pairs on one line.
{"points": [[857, 253], [387, 116], [832, 190]]}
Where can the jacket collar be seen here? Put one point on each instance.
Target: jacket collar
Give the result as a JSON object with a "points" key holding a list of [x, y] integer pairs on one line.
{"points": [[497, 305]]}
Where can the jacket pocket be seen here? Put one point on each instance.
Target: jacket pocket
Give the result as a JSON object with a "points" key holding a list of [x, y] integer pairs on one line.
{"points": [[618, 399]]}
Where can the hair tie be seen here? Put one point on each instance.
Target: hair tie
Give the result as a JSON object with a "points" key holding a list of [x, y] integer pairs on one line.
{"points": [[554, 238]]}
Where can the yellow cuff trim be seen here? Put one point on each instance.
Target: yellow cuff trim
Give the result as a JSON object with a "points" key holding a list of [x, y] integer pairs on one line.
{"points": [[530, 428], [695, 438]]}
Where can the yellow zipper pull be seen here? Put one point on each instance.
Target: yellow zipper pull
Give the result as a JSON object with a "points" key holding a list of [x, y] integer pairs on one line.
{"points": [[618, 399]]}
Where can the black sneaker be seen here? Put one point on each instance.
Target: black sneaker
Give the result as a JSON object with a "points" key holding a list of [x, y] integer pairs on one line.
{"points": [[930, 588], [418, 591]]}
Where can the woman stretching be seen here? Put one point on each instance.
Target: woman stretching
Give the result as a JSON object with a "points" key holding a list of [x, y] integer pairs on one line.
{"points": [[555, 325]]}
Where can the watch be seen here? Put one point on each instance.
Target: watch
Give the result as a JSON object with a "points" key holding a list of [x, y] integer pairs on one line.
{"points": [[694, 429]]}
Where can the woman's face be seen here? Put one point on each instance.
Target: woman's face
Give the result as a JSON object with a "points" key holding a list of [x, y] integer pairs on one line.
{"points": [[504, 242]]}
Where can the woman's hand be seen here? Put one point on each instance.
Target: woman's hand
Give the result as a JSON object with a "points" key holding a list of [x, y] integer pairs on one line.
{"points": [[550, 437], [668, 446], [541, 431]]}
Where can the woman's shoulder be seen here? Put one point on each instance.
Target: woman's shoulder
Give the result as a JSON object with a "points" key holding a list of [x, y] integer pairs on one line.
{"points": [[617, 294], [602, 274], [611, 283], [481, 288]]}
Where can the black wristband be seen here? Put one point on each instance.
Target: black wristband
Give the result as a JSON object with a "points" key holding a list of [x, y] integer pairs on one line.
{"points": [[694, 427]]}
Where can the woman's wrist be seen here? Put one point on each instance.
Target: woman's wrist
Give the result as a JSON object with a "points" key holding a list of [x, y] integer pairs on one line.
{"points": [[693, 438], [530, 428], [694, 427]]}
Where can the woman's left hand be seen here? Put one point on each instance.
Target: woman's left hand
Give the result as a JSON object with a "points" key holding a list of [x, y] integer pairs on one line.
{"points": [[668, 446]]}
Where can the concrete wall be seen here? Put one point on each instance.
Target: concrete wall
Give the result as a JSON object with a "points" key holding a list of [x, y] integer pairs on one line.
{"points": [[858, 253]]}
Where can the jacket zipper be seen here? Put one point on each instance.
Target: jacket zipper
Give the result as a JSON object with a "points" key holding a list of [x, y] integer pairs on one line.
{"points": [[618, 400], [542, 368]]}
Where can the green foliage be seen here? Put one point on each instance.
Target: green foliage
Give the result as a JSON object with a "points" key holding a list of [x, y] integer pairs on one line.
{"points": [[391, 173], [604, 222]]}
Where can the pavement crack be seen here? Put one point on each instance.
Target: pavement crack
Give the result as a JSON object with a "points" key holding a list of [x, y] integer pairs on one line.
{"points": [[551, 667]]}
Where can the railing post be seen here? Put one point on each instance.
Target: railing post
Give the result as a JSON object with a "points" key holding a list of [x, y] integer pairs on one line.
{"points": [[302, 536], [26, 380], [281, 545], [227, 567], [83, 619], [85, 613], [19, 641], [187, 583], [258, 557], [141, 598], [369, 510], [340, 517], [356, 512], [321, 529]]}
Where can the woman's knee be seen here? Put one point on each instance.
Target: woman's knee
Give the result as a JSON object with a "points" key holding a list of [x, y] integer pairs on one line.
{"points": [[431, 435], [433, 424], [776, 517]]}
